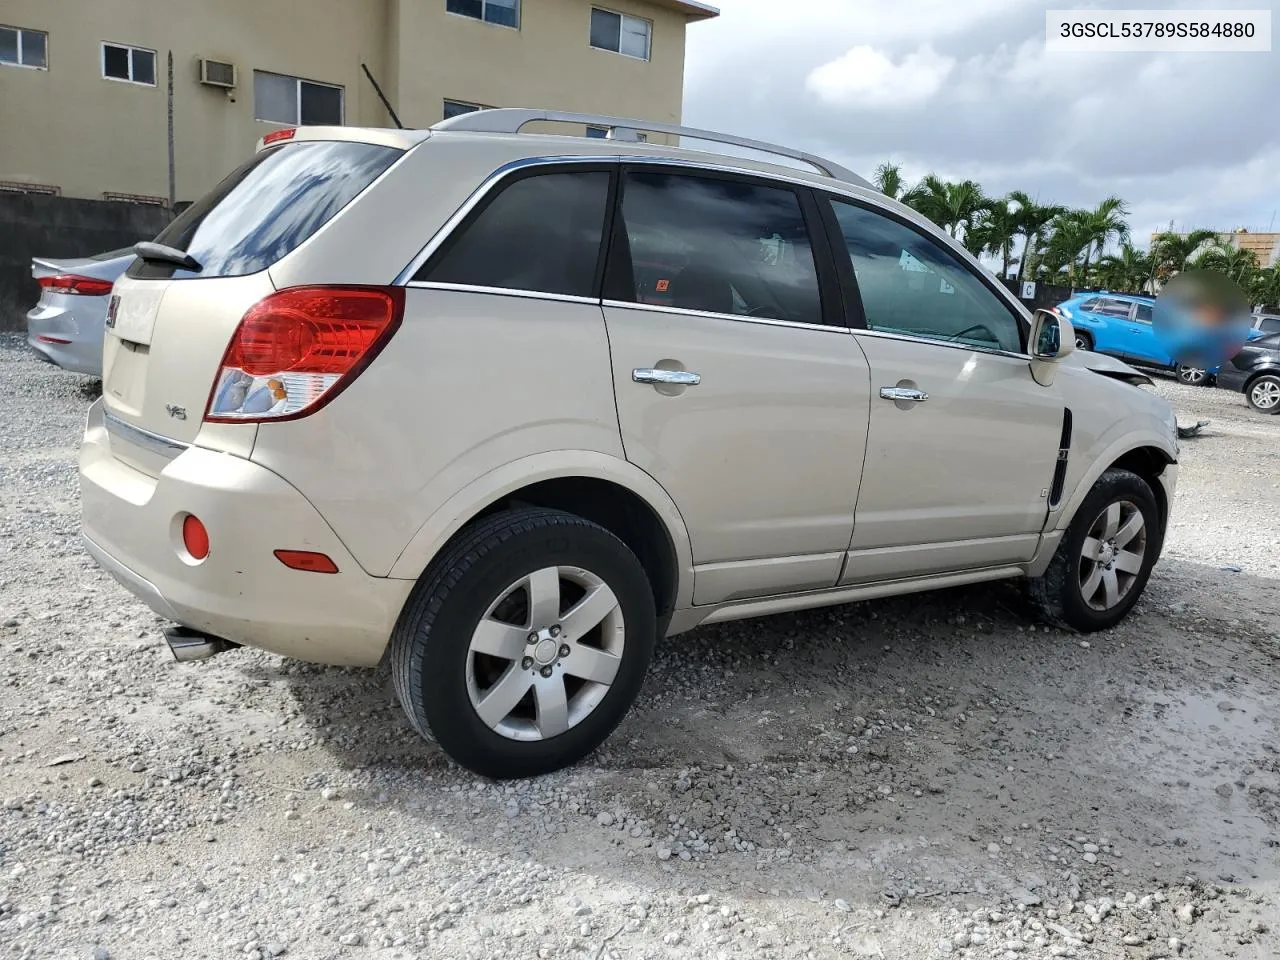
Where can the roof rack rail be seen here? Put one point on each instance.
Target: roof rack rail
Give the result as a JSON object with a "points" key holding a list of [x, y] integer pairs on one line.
{"points": [[512, 119]]}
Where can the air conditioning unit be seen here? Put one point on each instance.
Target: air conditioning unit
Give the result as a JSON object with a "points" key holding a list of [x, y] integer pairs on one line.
{"points": [[215, 73]]}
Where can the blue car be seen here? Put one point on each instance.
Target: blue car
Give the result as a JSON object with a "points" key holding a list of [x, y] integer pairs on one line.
{"points": [[1120, 325]]}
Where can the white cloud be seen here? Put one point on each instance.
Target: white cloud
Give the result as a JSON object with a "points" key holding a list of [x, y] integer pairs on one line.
{"points": [[866, 78]]}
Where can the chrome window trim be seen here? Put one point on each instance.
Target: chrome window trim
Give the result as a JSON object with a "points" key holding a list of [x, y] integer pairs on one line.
{"points": [[763, 321], [501, 291], [933, 341], [163, 446]]}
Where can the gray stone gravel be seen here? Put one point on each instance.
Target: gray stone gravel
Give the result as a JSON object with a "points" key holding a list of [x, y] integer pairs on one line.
{"points": [[922, 777]]}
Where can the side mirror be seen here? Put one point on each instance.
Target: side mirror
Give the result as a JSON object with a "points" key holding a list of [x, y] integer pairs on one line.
{"points": [[1052, 338]]}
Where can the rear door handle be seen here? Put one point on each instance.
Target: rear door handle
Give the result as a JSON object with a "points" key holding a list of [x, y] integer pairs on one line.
{"points": [[903, 393], [679, 378]]}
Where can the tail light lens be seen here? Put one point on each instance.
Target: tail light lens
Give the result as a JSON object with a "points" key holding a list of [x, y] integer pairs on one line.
{"points": [[299, 348], [71, 284]]}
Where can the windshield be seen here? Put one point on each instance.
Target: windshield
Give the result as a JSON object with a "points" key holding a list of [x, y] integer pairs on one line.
{"points": [[268, 207]]}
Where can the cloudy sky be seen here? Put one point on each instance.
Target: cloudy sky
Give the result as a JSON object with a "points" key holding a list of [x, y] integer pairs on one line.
{"points": [[965, 89]]}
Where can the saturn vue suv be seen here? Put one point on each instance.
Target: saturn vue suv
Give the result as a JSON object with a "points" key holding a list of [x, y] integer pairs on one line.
{"points": [[498, 411]]}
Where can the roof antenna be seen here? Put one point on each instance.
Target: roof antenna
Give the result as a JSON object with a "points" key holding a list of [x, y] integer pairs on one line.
{"points": [[381, 96]]}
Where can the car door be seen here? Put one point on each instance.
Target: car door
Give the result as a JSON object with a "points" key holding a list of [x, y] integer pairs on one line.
{"points": [[1114, 334], [1141, 337], [739, 388], [962, 441]]}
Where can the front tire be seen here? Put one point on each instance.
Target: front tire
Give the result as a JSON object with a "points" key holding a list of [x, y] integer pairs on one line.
{"points": [[1104, 561], [525, 642], [1263, 393]]}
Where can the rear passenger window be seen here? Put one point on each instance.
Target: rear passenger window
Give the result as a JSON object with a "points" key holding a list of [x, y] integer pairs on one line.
{"points": [[1112, 308], [912, 286], [540, 233], [1269, 325], [719, 246]]}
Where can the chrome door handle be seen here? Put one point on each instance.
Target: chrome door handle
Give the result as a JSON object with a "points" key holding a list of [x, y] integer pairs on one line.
{"points": [[903, 393], [679, 378]]}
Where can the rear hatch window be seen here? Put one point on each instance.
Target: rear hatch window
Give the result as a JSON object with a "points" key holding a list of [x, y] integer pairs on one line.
{"points": [[267, 208]]}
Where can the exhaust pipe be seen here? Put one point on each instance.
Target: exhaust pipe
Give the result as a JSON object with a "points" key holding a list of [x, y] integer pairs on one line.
{"points": [[189, 645]]}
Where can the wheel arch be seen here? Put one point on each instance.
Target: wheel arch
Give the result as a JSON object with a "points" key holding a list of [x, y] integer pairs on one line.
{"points": [[1139, 454], [597, 487]]}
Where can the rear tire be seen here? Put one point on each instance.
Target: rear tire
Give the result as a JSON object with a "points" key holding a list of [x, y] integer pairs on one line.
{"points": [[1083, 341], [1193, 376], [478, 671], [1105, 558], [1263, 393]]}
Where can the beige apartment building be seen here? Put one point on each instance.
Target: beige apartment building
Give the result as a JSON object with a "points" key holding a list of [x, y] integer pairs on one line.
{"points": [[84, 84], [1265, 246]]}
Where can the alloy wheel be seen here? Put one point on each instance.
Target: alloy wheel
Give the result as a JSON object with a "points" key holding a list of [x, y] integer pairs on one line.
{"points": [[545, 653], [1193, 376], [1112, 555], [1265, 394]]}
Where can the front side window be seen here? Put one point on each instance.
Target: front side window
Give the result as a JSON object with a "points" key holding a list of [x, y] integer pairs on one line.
{"points": [[278, 98], [620, 33], [912, 286], [719, 246], [134, 64], [1143, 314], [24, 48], [268, 207], [506, 13], [540, 233]]}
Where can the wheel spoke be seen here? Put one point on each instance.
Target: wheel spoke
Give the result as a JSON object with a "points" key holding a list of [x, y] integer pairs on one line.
{"points": [[1132, 527], [1092, 545], [499, 639], [590, 663], [553, 705], [500, 699], [589, 611], [1128, 562], [1112, 521], [1111, 587], [1090, 585], [544, 597]]}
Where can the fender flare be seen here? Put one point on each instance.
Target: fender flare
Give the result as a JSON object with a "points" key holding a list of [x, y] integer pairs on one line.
{"points": [[1101, 463], [502, 481]]}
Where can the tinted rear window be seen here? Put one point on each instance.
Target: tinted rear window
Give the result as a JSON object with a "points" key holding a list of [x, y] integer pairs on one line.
{"points": [[268, 207]]}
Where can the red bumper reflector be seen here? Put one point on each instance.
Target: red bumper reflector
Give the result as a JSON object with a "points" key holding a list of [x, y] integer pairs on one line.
{"points": [[195, 537], [56, 340], [306, 560]]}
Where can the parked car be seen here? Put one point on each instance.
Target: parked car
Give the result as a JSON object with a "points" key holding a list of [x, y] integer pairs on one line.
{"points": [[367, 402], [1266, 323], [66, 325], [1120, 325], [1255, 372]]}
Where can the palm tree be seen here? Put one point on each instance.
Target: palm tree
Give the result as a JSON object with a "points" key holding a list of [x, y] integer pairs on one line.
{"points": [[952, 206], [1130, 270], [1072, 239], [994, 232], [1033, 221], [1173, 250], [888, 180], [1103, 224], [1227, 259], [1263, 288]]}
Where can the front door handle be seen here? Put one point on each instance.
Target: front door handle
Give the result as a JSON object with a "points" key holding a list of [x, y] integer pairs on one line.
{"points": [[678, 378], [903, 393]]}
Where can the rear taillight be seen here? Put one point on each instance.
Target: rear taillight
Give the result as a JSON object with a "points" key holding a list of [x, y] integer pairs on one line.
{"points": [[69, 283], [299, 348]]}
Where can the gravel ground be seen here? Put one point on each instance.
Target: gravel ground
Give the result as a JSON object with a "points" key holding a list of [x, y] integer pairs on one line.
{"points": [[914, 778]]}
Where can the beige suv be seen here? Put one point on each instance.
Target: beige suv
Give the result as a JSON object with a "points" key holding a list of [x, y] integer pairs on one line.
{"points": [[501, 409]]}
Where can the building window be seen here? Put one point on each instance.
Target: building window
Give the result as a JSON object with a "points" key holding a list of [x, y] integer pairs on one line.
{"points": [[602, 133], [24, 48], [131, 64], [621, 34], [506, 13], [456, 108], [282, 99]]}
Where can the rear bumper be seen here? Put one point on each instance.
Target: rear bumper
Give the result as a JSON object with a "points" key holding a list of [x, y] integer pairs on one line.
{"points": [[131, 525], [63, 338]]}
